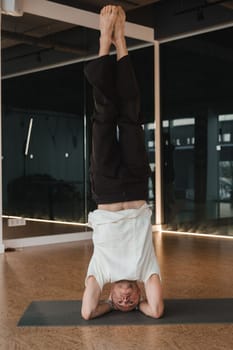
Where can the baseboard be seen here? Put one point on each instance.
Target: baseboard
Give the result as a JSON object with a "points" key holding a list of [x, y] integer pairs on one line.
{"points": [[157, 228], [45, 240], [2, 248]]}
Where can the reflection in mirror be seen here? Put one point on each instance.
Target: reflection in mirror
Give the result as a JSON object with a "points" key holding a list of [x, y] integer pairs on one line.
{"points": [[47, 106], [33, 42], [197, 124]]}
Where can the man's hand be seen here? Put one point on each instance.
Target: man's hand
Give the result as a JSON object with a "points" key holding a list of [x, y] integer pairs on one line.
{"points": [[114, 307], [92, 307]]}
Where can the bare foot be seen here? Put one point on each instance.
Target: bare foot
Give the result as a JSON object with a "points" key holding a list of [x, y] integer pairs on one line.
{"points": [[119, 30], [119, 34], [108, 16]]}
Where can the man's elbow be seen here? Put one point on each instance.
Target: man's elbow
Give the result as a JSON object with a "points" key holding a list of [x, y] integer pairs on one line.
{"points": [[157, 312], [86, 314]]}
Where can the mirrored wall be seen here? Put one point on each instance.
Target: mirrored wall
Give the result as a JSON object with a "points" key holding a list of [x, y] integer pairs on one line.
{"points": [[197, 132], [47, 107]]}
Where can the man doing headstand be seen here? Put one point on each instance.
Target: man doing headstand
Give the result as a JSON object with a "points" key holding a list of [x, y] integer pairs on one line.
{"points": [[122, 232]]}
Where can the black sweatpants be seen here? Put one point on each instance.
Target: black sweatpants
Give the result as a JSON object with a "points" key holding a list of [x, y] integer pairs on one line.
{"points": [[119, 163]]}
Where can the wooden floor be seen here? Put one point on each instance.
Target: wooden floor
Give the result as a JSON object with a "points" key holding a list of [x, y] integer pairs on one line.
{"points": [[191, 268]]}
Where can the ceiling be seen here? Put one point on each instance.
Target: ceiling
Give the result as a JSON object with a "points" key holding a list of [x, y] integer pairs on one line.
{"points": [[96, 5], [54, 41], [29, 29], [129, 5]]}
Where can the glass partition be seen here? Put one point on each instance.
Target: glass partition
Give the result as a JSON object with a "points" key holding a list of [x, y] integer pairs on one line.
{"points": [[197, 95], [43, 145], [47, 106]]}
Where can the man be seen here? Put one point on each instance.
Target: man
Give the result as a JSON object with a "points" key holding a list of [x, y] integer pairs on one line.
{"points": [[122, 233]]}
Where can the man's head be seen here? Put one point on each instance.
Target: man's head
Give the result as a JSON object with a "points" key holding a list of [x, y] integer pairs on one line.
{"points": [[125, 295]]}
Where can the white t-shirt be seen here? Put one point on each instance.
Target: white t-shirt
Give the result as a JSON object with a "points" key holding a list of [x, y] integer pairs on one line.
{"points": [[123, 247]]}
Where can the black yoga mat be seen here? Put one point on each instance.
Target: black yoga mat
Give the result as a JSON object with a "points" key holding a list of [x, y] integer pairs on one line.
{"points": [[177, 311]]}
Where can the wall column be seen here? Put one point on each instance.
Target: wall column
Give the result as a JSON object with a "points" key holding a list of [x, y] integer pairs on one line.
{"points": [[1, 228], [158, 163]]}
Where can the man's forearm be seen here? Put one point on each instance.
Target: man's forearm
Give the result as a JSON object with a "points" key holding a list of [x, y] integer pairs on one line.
{"points": [[102, 308], [155, 312]]}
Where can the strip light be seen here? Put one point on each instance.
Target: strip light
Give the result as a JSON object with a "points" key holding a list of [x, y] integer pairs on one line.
{"points": [[46, 221], [28, 136], [206, 235], [193, 234]]}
